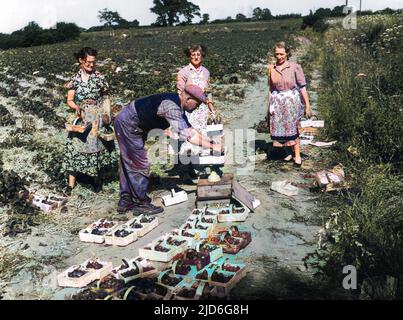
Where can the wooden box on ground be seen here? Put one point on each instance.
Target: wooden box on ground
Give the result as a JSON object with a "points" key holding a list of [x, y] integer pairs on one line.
{"points": [[215, 190]]}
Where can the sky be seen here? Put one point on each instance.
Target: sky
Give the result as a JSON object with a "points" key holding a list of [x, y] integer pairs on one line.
{"points": [[16, 14]]}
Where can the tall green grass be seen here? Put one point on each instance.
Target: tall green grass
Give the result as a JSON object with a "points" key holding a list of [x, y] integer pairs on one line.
{"points": [[361, 101]]}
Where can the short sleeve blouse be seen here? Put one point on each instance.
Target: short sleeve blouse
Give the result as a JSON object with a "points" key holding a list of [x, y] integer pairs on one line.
{"points": [[286, 77], [93, 89]]}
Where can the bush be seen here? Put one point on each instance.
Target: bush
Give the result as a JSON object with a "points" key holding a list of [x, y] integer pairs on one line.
{"points": [[34, 35]]}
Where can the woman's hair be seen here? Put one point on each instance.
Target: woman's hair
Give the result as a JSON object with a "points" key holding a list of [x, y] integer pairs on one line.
{"points": [[197, 47], [283, 45], [85, 52]]}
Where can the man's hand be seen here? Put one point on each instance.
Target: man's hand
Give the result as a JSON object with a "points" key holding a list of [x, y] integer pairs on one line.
{"points": [[218, 148]]}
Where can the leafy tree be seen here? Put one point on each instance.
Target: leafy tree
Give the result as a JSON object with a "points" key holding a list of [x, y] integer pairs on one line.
{"points": [[205, 18], [266, 14], [109, 18], [257, 14], [170, 12], [241, 17]]}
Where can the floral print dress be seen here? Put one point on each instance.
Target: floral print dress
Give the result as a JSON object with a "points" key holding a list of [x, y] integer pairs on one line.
{"points": [[198, 118], [85, 152]]}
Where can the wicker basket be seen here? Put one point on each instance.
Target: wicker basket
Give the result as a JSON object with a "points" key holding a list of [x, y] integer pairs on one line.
{"points": [[75, 127], [107, 136]]}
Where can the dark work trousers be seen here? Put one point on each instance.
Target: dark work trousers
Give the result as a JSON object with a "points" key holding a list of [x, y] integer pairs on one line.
{"points": [[134, 165]]}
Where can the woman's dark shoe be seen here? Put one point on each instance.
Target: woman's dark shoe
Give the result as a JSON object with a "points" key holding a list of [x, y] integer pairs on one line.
{"points": [[146, 208], [125, 203]]}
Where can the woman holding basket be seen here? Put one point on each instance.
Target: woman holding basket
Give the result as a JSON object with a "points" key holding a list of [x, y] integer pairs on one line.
{"points": [[85, 152]]}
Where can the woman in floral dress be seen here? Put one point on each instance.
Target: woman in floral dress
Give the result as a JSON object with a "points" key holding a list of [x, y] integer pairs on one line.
{"points": [[195, 73], [85, 153]]}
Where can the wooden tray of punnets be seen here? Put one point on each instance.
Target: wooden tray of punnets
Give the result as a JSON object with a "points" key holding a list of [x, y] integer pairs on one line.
{"points": [[185, 234], [146, 288], [169, 280], [230, 213], [143, 224], [164, 248], [199, 229], [231, 239], [96, 231], [223, 274], [121, 236], [135, 268], [190, 289], [79, 276], [211, 220]]}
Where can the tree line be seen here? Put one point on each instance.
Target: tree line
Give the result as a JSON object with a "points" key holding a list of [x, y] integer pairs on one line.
{"points": [[169, 13]]}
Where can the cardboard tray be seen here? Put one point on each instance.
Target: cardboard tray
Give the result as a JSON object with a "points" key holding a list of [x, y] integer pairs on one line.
{"points": [[37, 202], [147, 227], [93, 238], [111, 239], [100, 273], [134, 264], [64, 281], [153, 255], [233, 216]]}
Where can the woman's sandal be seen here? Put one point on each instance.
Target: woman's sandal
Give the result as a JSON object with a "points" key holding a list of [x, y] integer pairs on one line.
{"points": [[298, 165]]}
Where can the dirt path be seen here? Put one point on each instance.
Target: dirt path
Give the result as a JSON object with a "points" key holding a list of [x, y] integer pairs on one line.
{"points": [[281, 236]]}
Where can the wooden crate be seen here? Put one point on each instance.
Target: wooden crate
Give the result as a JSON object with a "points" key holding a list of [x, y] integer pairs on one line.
{"points": [[222, 189], [215, 254]]}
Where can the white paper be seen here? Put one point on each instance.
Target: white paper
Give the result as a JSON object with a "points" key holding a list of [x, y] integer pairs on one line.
{"points": [[284, 187]]}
